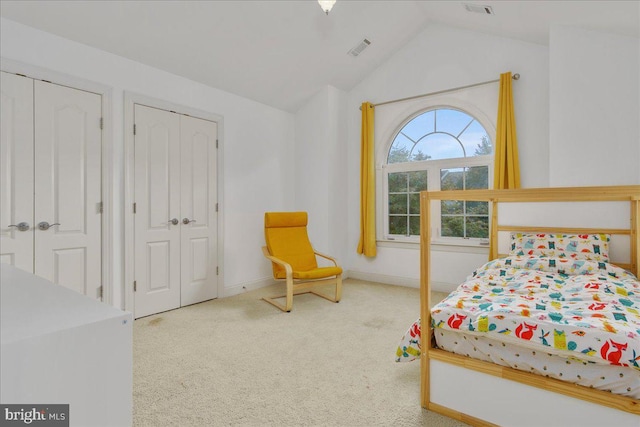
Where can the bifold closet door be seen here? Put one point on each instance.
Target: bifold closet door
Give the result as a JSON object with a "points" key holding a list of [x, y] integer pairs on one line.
{"points": [[68, 170], [157, 214], [16, 171], [175, 219], [50, 182], [198, 197]]}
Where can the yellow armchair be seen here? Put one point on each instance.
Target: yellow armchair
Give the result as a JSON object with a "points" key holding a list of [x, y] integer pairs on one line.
{"points": [[294, 259]]}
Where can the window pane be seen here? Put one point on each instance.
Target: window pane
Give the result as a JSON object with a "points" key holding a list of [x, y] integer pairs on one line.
{"points": [[452, 179], [477, 177], [397, 204], [414, 203], [476, 141], [400, 149], [398, 182], [477, 208], [452, 226], [417, 181], [414, 225], [451, 121], [478, 226], [398, 225], [449, 207], [438, 146], [419, 126]]}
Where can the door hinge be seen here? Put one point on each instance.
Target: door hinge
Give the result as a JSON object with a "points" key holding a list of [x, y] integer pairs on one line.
{"points": [[101, 123], [216, 207], [134, 208], [100, 207], [135, 286], [217, 270], [134, 129], [100, 293], [216, 143]]}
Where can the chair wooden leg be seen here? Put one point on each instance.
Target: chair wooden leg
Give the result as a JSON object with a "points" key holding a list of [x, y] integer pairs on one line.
{"points": [[338, 287], [275, 304], [289, 303], [290, 293], [289, 298]]}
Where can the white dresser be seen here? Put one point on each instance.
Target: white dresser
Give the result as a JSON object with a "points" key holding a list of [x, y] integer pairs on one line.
{"points": [[60, 347]]}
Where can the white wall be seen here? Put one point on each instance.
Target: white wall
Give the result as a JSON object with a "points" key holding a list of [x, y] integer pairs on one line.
{"points": [[312, 149], [258, 143], [338, 168], [594, 108], [440, 58], [320, 170]]}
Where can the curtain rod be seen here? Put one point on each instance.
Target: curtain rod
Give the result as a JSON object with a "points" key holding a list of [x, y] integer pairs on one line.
{"points": [[516, 76]]}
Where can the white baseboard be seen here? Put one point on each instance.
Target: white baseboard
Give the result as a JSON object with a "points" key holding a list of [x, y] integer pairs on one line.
{"points": [[408, 282], [249, 286], [384, 278]]}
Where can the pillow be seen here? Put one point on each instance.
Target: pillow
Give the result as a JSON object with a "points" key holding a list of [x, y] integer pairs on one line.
{"points": [[589, 247]]}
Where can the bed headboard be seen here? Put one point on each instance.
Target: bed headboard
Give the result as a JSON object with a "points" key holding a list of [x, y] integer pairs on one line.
{"points": [[597, 206]]}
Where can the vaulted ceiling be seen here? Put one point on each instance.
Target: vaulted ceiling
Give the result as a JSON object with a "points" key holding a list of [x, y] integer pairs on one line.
{"points": [[282, 52]]}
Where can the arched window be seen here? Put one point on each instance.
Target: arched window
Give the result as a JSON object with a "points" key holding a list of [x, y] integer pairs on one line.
{"points": [[439, 149]]}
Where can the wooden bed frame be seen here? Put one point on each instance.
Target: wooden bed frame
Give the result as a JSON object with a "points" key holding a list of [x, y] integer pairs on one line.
{"points": [[473, 379]]}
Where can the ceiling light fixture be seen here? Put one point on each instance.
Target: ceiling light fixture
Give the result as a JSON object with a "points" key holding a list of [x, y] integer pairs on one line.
{"points": [[326, 5]]}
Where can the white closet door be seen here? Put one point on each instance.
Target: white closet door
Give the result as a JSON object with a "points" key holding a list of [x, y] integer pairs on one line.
{"points": [[198, 210], [157, 196], [16, 170], [68, 147]]}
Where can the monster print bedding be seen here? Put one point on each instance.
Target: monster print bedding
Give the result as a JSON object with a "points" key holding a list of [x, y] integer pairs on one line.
{"points": [[566, 313]]}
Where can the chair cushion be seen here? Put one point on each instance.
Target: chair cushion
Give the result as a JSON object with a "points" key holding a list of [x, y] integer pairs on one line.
{"points": [[316, 273]]}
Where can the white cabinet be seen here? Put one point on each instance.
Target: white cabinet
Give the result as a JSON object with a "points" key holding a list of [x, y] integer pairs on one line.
{"points": [[60, 347]]}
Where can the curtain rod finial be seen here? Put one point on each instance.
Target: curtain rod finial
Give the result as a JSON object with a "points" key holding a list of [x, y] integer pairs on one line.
{"points": [[516, 76]]}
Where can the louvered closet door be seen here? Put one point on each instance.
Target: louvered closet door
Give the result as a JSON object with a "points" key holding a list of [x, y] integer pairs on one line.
{"points": [[157, 198], [16, 170], [68, 148], [198, 197]]}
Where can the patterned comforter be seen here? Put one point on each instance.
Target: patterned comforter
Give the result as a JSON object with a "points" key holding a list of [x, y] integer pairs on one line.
{"points": [[589, 310]]}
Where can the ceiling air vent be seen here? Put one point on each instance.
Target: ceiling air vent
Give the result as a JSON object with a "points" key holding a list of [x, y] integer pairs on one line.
{"points": [[358, 49], [476, 8]]}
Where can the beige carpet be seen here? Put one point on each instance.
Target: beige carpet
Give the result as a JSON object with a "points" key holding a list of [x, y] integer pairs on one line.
{"points": [[241, 361]]}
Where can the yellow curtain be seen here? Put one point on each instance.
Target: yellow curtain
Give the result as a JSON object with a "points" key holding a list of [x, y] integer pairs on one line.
{"points": [[367, 243], [506, 166]]}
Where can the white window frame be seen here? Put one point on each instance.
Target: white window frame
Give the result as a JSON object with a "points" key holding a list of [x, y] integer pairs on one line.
{"points": [[433, 168]]}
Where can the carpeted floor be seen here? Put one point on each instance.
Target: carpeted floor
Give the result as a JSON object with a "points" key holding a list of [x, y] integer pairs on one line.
{"points": [[240, 361]]}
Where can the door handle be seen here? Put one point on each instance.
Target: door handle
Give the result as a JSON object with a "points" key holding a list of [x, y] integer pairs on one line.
{"points": [[174, 221], [23, 226], [44, 225], [186, 221]]}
